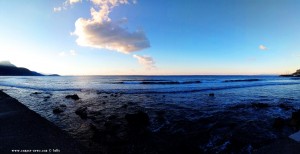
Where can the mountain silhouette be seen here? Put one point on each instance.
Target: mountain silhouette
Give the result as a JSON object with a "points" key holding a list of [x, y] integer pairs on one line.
{"points": [[8, 69]]}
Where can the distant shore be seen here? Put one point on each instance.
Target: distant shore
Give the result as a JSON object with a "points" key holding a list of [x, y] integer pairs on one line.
{"points": [[23, 129]]}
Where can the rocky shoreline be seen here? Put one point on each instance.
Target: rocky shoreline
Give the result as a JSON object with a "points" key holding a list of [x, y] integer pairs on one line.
{"points": [[296, 74], [128, 129], [122, 123], [23, 129]]}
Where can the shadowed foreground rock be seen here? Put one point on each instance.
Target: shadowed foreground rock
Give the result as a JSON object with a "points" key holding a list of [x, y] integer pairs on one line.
{"points": [[138, 120], [21, 128]]}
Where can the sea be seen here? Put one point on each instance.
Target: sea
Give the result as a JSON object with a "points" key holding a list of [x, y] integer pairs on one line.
{"points": [[234, 113]]}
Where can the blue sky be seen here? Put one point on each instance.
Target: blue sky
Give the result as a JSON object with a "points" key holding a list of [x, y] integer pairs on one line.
{"points": [[151, 37]]}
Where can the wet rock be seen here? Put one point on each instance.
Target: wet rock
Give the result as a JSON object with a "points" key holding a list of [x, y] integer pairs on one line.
{"points": [[63, 105], [211, 95], [250, 134], [296, 115], [278, 123], [138, 120], [285, 106], [92, 117], [36, 93], [58, 110], [124, 106], [239, 106], [96, 113], [93, 127], [260, 105], [295, 120], [82, 112], [160, 115], [113, 95], [104, 96], [112, 117], [46, 98], [111, 127], [74, 97]]}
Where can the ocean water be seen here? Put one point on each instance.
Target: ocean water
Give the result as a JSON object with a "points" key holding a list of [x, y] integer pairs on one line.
{"points": [[143, 84], [184, 100]]}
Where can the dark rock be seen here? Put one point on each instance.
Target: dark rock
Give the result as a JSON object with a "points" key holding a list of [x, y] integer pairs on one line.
{"points": [[211, 95], [295, 120], [260, 105], [74, 97], [82, 112], [296, 115], [113, 95], [250, 134], [63, 105], [104, 96], [93, 127], [285, 106], [160, 115], [239, 106], [112, 117], [46, 98], [96, 113], [111, 127], [58, 110], [138, 120], [124, 106], [36, 93], [278, 123]]}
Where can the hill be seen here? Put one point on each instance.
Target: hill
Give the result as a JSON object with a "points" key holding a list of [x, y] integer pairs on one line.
{"points": [[8, 69], [296, 74]]}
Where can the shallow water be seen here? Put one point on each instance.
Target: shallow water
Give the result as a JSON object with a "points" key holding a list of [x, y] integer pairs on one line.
{"points": [[184, 99]]}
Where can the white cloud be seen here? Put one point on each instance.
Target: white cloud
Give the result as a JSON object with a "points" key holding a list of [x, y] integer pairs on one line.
{"points": [[65, 5], [262, 47], [71, 2], [69, 53], [57, 9], [146, 61], [103, 33], [113, 3]]}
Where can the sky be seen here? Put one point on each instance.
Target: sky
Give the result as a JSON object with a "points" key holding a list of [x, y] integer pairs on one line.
{"points": [[151, 37]]}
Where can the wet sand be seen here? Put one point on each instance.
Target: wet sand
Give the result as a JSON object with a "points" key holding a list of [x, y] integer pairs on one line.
{"points": [[23, 129]]}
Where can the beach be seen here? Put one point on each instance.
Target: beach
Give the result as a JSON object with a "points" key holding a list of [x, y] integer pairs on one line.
{"points": [[169, 115]]}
